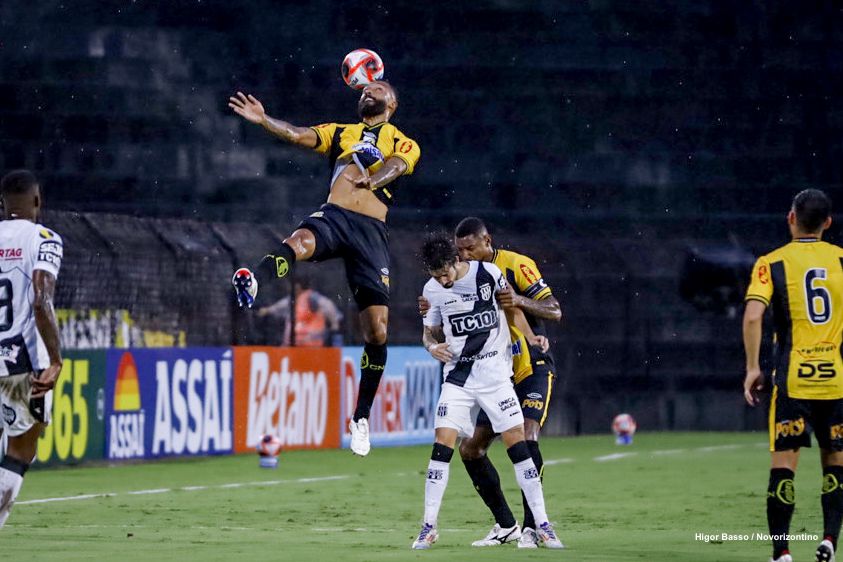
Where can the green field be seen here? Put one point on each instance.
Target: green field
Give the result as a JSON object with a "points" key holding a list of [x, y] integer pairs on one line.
{"points": [[648, 505]]}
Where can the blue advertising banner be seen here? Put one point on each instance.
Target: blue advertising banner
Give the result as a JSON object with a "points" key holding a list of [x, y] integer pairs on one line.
{"points": [[168, 402], [405, 406]]}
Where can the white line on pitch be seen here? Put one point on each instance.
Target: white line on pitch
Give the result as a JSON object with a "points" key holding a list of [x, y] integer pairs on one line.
{"points": [[614, 456], [551, 462], [668, 452], [184, 489]]}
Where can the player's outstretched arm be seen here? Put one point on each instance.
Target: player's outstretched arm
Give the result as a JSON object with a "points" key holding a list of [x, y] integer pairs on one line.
{"points": [[250, 109], [45, 321], [547, 308]]}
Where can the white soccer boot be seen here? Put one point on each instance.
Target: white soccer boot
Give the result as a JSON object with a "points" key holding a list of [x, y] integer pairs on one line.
{"points": [[427, 536], [825, 552], [498, 536], [359, 437], [528, 539], [547, 536], [784, 558]]}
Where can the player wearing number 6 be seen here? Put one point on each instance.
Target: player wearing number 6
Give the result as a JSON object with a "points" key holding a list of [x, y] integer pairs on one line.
{"points": [[30, 358], [803, 282]]}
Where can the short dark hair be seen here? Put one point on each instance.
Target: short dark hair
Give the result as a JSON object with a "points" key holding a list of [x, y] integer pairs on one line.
{"points": [[438, 251], [18, 182], [470, 226], [812, 208]]}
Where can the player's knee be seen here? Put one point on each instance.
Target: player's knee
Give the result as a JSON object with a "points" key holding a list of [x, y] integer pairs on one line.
{"points": [[375, 333], [532, 428], [471, 450]]}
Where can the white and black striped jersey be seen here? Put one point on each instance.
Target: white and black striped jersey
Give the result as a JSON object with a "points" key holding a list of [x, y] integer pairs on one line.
{"points": [[24, 247], [475, 327]]}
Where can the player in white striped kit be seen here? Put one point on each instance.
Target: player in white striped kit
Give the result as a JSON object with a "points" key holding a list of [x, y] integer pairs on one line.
{"points": [[30, 357], [478, 364]]}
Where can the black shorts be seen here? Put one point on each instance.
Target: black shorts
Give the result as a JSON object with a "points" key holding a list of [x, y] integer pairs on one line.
{"points": [[363, 244], [792, 420], [533, 392]]}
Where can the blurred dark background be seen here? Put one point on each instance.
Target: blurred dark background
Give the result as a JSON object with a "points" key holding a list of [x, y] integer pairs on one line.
{"points": [[642, 153]]}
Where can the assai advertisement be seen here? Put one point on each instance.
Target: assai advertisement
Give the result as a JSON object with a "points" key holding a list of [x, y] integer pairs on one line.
{"points": [[168, 402]]}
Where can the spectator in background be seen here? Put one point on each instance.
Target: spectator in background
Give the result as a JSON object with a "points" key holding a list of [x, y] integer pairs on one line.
{"points": [[317, 321]]}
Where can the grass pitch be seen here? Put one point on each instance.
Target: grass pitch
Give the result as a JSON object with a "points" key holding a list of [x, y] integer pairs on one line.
{"points": [[644, 502]]}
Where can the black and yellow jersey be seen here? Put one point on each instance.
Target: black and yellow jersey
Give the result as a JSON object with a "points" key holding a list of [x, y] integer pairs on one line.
{"points": [[368, 146], [525, 279], [803, 282]]}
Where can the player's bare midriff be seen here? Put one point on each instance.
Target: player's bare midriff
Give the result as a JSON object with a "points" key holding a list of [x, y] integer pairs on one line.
{"points": [[359, 200]]}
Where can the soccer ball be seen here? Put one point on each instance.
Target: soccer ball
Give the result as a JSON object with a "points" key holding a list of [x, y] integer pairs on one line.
{"points": [[361, 67], [624, 426], [268, 448]]}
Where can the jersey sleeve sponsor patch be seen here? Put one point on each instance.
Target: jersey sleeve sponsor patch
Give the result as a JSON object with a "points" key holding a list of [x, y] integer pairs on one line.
{"points": [[761, 283], [407, 150], [50, 252]]}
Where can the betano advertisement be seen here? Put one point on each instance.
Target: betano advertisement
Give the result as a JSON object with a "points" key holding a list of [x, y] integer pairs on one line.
{"points": [[149, 403], [405, 405], [292, 393]]}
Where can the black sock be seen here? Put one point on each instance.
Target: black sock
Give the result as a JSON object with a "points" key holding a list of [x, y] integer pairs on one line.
{"points": [[488, 484], [14, 465], [533, 446], [277, 264], [781, 499], [832, 501], [372, 365], [518, 452], [441, 453]]}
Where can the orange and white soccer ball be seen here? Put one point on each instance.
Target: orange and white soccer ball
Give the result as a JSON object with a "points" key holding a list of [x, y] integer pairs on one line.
{"points": [[269, 447], [361, 67]]}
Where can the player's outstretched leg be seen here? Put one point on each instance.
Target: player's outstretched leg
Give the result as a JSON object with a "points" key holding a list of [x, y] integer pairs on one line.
{"points": [[487, 483], [373, 320], [434, 490], [832, 504], [13, 468], [529, 539], [11, 480], [530, 483], [781, 500]]}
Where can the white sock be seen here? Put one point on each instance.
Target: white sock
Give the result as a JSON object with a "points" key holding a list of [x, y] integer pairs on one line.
{"points": [[434, 489], [10, 483], [531, 485]]}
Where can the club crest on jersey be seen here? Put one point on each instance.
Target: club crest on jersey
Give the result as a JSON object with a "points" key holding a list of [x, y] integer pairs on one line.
{"points": [[46, 234], [9, 415], [485, 291], [442, 409]]}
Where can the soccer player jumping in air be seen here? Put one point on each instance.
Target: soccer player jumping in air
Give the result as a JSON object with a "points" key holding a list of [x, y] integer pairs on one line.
{"points": [[29, 334], [365, 159], [467, 330], [803, 282]]}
